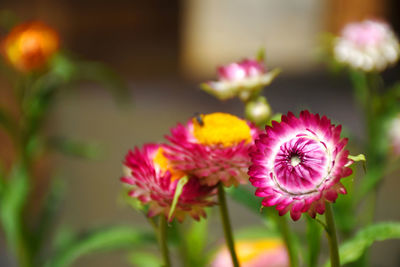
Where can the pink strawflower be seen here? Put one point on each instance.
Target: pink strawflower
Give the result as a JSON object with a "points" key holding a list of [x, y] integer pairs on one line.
{"points": [[368, 45], [240, 79], [153, 181], [298, 164], [255, 253], [213, 147]]}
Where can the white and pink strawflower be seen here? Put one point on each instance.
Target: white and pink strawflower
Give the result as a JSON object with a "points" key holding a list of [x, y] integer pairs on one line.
{"points": [[269, 252], [213, 147], [369, 45], [298, 164], [240, 79], [150, 178]]}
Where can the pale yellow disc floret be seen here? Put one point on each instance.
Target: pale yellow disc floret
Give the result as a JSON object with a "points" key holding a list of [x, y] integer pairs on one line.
{"points": [[221, 128]]}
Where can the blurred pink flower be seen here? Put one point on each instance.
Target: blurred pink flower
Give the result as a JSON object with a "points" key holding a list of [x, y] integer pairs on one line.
{"points": [[298, 164], [240, 79], [368, 45], [394, 135], [212, 147], [238, 71], [153, 182], [255, 253]]}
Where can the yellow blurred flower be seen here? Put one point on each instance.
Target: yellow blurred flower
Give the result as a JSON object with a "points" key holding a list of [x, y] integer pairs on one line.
{"points": [[255, 253], [29, 45]]}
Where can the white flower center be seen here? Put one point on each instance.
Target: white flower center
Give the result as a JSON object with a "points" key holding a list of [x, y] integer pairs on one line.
{"points": [[295, 160]]}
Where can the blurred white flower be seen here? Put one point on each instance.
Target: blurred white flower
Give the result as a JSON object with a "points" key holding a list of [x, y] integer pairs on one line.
{"points": [[368, 46]]}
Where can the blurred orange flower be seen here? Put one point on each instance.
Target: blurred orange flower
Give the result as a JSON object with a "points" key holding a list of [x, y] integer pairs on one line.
{"points": [[29, 45], [255, 253]]}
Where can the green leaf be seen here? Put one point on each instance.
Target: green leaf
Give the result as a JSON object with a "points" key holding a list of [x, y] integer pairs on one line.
{"points": [[313, 235], [100, 240], [359, 157], [39, 97], [13, 200], [63, 67], [144, 259], [353, 249], [177, 194], [48, 214], [75, 148]]}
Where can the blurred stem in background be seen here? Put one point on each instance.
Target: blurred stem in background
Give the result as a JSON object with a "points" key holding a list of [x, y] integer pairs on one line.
{"points": [[288, 238]]}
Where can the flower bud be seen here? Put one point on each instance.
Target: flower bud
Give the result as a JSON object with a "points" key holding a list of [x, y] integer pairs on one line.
{"points": [[258, 111], [30, 45]]}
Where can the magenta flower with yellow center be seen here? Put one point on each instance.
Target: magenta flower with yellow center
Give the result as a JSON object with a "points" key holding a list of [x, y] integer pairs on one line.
{"points": [[213, 147], [255, 253], [240, 79], [298, 164], [30, 45], [152, 180]]}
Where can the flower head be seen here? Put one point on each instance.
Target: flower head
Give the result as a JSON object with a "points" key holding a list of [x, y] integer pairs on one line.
{"points": [[394, 135], [153, 181], [255, 253], [368, 45], [212, 147], [297, 165], [29, 45], [240, 79]]}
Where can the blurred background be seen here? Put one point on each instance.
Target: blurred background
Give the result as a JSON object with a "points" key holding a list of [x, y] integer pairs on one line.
{"points": [[164, 49]]}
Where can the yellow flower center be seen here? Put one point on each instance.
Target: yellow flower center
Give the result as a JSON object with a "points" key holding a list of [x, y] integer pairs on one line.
{"points": [[162, 162], [249, 250], [221, 128]]}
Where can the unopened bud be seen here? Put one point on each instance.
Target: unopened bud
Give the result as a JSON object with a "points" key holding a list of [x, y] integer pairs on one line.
{"points": [[258, 111]]}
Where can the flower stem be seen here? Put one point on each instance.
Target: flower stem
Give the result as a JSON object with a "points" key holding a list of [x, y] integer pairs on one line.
{"points": [[288, 239], [162, 239], [331, 233], [226, 224]]}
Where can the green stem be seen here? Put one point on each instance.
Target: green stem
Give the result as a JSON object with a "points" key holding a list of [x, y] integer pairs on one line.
{"points": [[332, 238], [288, 239], [226, 224], [162, 239]]}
